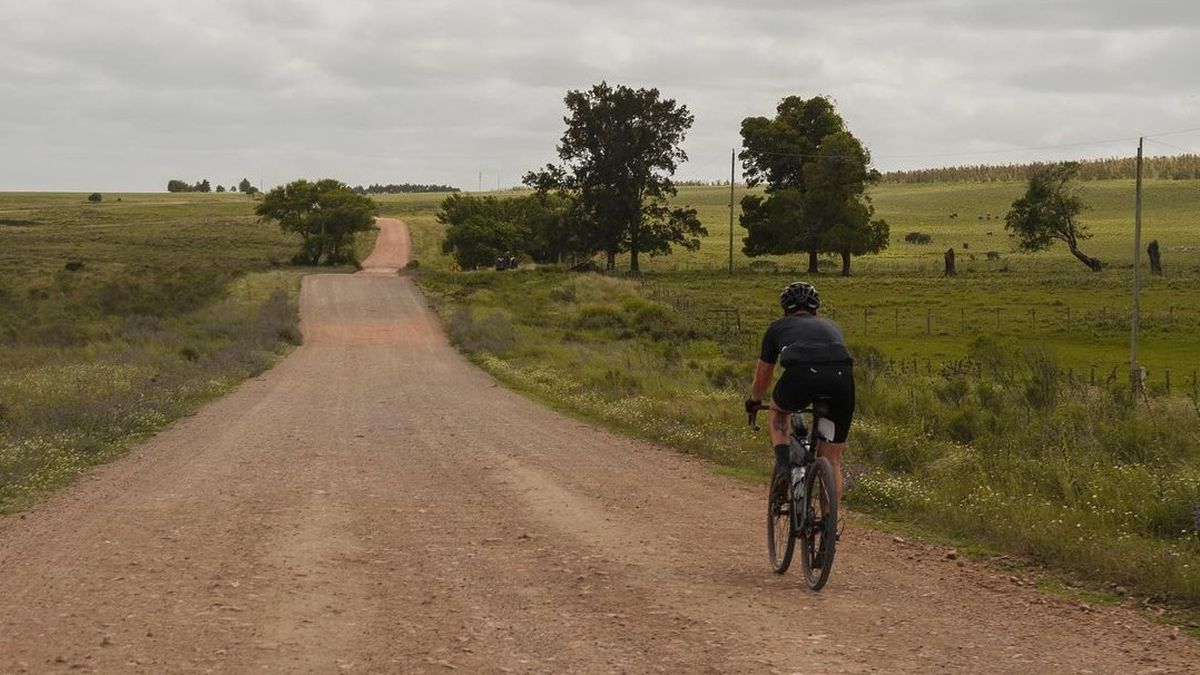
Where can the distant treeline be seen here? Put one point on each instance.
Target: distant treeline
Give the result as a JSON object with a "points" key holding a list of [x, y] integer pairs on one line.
{"points": [[176, 185], [1177, 167], [402, 188]]}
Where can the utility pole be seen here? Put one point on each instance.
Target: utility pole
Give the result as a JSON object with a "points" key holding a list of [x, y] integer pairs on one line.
{"points": [[480, 182], [1135, 371], [732, 157]]}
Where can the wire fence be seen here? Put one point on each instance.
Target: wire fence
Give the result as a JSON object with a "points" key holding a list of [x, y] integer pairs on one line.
{"points": [[743, 328]]}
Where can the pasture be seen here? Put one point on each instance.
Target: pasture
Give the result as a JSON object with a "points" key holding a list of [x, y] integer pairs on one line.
{"points": [[118, 317], [899, 302], [993, 406]]}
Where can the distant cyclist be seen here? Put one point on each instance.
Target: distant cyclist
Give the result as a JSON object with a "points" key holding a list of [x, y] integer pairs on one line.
{"points": [[815, 364]]}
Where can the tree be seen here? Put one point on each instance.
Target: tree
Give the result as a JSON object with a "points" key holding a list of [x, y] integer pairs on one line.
{"points": [[95, 198], [816, 175], [246, 187], [202, 186], [836, 196], [619, 151], [176, 185], [479, 229], [1049, 211], [326, 214], [220, 188]]}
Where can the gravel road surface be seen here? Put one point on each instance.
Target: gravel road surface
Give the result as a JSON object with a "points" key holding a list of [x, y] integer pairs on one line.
{"points": [[377, 504]]}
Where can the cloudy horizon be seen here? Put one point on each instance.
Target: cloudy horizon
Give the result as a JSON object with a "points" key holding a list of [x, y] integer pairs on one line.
{"points": [[127, 94]]}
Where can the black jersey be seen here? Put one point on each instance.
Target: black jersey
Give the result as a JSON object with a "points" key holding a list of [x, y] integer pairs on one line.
{"points": [[804, 338]]}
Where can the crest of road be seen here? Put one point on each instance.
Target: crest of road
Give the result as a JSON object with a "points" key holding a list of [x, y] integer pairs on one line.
{"points": [[377, 504]]}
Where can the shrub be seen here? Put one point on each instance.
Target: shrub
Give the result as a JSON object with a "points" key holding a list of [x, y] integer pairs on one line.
{"points": [[488, 329], [95, 198], [600, 316], [918, 238]]}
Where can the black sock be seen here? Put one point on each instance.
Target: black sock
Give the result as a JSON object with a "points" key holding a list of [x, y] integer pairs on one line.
{"points": [[782, 452]]}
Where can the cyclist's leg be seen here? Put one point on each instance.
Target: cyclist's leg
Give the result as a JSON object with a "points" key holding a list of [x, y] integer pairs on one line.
{"points": [[780, 422], [833, 452], [785, 397], [838, 383]]}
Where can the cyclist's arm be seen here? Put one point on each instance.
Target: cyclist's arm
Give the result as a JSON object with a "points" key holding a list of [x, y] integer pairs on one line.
{"points": [[762, 379]]}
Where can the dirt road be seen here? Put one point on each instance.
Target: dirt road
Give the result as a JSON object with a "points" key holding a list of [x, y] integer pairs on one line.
{"points": [[375, 504]]}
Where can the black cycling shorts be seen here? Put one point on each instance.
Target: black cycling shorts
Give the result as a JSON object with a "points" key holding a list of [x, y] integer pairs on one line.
{"points": [[800, 384]]}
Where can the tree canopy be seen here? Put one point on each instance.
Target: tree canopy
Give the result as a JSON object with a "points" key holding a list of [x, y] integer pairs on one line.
{"points": [[327, 214], [176, 185], [1049, 211], [815, 174], [618, 153], [481, 228]]}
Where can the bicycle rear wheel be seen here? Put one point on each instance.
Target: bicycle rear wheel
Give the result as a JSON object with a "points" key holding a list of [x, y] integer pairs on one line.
{"points": [[780, 541], [818, 535]]}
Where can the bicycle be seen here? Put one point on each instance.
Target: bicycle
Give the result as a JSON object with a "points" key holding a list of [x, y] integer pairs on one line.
{"points": [[804, 508]]}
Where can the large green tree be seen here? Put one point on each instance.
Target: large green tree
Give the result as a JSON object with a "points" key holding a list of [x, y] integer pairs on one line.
{"points": [[815, 175], [1049, 211], [618, 153], [480, 228], [327, 214]]}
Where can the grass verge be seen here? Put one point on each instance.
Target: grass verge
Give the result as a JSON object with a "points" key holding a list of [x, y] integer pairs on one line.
{"points": [[1000, 447]]}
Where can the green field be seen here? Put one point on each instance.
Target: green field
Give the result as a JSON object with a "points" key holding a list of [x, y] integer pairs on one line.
{"points": [[899, 302], [993, 406], [174, 300]]}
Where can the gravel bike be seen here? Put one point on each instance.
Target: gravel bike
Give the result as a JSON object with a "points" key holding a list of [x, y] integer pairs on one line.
{"points": [[804, 508]]}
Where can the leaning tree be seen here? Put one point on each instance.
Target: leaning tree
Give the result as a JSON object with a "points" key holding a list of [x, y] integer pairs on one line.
{"points": [[1049, 211], [618, 153]]}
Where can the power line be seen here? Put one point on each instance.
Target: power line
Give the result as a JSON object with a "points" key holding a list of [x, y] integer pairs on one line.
{"points": [[1174, 133], [973, 153], [957, 154], [1172, 146]]}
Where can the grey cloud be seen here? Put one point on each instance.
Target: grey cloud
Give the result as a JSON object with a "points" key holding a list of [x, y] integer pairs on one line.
{"points": [[127, 93]]}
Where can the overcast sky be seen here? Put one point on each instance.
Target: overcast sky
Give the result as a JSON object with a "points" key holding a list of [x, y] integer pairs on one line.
{"points": [[125, 94]]}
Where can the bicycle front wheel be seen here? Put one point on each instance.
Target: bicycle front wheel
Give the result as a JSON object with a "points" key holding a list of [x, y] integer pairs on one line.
{"points": [[780, 541], [818, 533]]}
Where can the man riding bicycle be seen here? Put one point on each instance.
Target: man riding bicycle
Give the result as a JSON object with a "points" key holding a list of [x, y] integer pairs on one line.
{"points": [[816, 364]]}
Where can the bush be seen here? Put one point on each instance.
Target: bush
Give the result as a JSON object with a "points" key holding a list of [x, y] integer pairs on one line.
{"points": [[918, 238], [487, 329], [95, 198]]}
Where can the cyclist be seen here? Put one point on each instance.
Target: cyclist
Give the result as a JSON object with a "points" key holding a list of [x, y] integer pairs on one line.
{"points": [[815, 363]]}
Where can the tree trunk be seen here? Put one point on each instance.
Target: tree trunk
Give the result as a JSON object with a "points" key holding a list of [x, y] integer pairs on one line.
{"points": [[812, 261], [633, 260], [845, 263], [950, 271], [1155, 258], [612, 261], [1093, 264]]}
